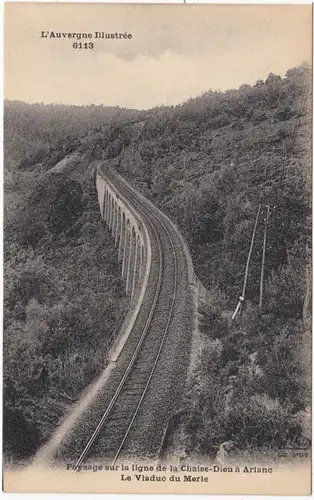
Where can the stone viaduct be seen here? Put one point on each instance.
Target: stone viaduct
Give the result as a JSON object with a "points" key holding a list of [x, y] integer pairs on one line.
{"points": [[133, 245], [134, 250]]}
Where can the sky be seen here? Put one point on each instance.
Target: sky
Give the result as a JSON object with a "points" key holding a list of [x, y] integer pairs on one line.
{"points": [[176, 51]]}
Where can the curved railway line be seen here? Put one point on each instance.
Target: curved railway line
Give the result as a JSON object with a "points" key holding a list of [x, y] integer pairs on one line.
{"points": [[125, 414], [119, 417]]}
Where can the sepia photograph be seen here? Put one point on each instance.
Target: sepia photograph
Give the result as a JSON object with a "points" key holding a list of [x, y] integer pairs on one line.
{"points": [[157, 250]]}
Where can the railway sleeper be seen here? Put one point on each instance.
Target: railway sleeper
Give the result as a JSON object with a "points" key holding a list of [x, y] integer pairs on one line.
{"points": [[118, 419], [139, 380], [151, 355], [143, 367], [139, 386], [132, 392]]}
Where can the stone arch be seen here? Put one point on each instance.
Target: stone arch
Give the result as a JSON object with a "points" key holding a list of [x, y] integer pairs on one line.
{"points": [[105, 204], [131, 260], [118, 226], [109, 208], [111, 211], [142, 259], [122, 235], [114, 219], [136, 272], [126, 248]]}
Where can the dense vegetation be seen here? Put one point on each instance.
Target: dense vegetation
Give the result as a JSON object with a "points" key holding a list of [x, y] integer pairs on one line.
{"points": [[64, 299], [37, 132], [209, 163]]}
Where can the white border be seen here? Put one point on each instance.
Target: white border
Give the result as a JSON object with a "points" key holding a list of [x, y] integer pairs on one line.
{"points": [[95, 496]]}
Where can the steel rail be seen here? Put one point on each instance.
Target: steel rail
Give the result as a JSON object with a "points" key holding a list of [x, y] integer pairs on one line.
{"points": [[106, 414], [131, 363], [162, 339]]}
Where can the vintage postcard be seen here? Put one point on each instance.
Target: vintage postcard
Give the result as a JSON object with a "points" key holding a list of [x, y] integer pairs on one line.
{"points": [[157, 248]]}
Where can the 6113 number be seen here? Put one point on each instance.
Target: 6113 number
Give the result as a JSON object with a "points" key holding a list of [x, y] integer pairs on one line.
{"points": [[80, 45]]}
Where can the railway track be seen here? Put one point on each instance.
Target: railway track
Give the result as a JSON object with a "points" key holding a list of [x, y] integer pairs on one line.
{"points": [[112, 436]]}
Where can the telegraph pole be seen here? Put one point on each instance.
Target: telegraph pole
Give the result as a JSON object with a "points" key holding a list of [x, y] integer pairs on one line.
{"points": [[261, 289], [242, 297]]}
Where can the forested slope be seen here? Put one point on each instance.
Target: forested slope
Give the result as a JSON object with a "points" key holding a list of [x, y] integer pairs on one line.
{"points": [[210, 163], [64, 299]]}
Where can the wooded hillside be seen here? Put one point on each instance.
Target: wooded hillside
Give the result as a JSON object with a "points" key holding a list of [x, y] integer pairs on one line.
{"points": [[64, 299], [209, 163]]}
